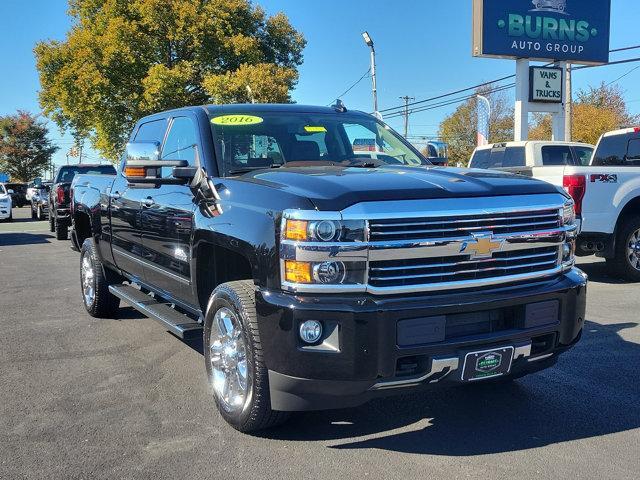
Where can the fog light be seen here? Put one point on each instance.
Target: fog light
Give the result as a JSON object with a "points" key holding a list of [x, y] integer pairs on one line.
{"points": [[310, 331], [329, 272]]}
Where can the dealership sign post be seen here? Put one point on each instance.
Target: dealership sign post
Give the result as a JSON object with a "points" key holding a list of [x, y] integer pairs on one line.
{"points": [[555, 31]]}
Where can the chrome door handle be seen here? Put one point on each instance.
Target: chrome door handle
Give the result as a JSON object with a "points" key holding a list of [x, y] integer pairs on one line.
{"points": [[148, 202]]}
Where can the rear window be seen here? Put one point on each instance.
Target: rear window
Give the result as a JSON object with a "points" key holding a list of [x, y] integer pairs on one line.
{"points": [[614, 149], [583, 155], [500, 157], [66, 174], [633, 152], [556, 155]]}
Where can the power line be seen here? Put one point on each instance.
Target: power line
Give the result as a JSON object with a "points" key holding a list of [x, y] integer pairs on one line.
{"points": [[449, 94], [400, 107], [617, 62], [450, 102], [356, 83], [624, 75]]}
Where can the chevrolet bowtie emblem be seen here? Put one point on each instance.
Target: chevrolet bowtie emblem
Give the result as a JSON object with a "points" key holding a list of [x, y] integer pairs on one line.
{"points": [[482, 246]]}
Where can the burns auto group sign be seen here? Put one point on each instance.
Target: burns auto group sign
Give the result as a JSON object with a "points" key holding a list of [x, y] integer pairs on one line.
{"points": [[556, 30]]}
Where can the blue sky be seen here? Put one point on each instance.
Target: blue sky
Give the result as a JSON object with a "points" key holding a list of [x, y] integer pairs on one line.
{"points": [[423, 49]]}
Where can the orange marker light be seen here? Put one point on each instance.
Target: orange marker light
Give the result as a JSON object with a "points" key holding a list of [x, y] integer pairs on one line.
{"points": [[297, 272], [296, 230], [135, 171]]}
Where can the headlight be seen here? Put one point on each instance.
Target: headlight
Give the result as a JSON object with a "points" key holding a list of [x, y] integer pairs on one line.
{"points": [[323, 230], [319, 251], [4, 200], [569, 213]]}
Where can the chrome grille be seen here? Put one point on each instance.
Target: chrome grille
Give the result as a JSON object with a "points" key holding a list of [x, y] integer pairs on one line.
{"points": [[462, 225], [434, 270]]}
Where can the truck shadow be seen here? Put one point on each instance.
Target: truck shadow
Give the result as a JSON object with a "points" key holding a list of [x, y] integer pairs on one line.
{"points": [[13, 239], [597, 271], [592, 391]]}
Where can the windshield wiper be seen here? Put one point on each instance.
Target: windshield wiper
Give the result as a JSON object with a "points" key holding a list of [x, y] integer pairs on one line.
{"points": [[239, 171]]}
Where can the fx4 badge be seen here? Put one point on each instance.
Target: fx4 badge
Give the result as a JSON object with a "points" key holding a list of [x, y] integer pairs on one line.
{"points": [[482, 246], [604, 178]]}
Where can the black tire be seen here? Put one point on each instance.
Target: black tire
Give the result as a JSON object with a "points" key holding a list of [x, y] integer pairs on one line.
{"points": [[620, 265], [52, 225], [256, 413], [103, 304], [10, 219], [62, 231], [33, 213]]}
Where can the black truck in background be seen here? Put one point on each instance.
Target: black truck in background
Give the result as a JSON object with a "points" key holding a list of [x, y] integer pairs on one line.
{"points": [[59, 197], [320, 277]]}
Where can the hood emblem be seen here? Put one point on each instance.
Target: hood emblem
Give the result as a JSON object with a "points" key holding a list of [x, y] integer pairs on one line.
{"points": [[483, 245]]}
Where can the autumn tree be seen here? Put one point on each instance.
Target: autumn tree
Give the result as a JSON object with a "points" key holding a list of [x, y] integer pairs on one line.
{"points": [[594, 112], [25, 150], [123, 59], [460, 128]]}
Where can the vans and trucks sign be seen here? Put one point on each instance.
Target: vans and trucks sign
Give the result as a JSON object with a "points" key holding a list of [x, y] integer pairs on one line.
{"points": [[545, 84], [576, 31]]}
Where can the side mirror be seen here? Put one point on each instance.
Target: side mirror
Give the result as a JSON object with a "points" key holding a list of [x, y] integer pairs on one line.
{"points": [[10, 191]]}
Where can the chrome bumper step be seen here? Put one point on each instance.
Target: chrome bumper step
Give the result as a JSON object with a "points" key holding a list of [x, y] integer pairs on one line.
{"points": [[177, 323]]}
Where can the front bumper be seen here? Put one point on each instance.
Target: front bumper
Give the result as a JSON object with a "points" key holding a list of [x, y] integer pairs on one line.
{"points": [[5, 211], [363, 356]]}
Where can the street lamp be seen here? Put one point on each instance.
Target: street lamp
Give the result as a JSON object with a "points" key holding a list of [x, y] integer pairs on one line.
{"points": [[369, 42]]}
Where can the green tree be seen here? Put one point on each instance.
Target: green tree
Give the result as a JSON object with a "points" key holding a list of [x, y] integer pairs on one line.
{"points": [[460, 128], [594, 112], [123, 59], [25, 150]]}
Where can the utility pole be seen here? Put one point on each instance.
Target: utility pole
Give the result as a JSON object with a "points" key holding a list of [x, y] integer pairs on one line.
{"points": [[374, 88], [406, 99], [568, 131]]}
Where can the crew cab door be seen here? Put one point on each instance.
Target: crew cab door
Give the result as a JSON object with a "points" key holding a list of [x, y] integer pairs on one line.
{"points": [[126, 208], [167, 217]]}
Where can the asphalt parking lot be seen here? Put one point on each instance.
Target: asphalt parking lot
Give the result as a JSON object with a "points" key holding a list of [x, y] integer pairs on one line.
{"points": [[122, 398]]}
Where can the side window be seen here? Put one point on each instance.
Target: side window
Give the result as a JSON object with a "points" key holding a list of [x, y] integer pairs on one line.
{"points": [[556, 156], [633, 152], [181, 142], [611, 150], [151, 131], [583, 155], [514, 157], [480, 158]]}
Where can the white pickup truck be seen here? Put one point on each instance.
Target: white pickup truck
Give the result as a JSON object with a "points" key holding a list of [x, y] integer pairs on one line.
{"points": [[606, 191]]}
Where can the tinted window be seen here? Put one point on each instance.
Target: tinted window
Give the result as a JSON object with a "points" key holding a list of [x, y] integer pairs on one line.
{"points": [[499, 157], [611, 150], [556, 155], [66, 174], [151, 131], [481, 158], [633, 152], [514, 157], [583, 155], [182, 141], [2, 190]]}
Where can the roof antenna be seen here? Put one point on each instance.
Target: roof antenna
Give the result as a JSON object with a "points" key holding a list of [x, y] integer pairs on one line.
{"points": [[339, 106]]}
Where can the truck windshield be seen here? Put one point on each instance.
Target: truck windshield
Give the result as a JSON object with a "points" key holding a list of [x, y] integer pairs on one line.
{"points": [[262, 140], [66, 174], [2, 190]]}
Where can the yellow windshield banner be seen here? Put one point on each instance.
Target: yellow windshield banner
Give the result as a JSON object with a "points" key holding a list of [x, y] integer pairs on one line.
{"points": [[236, 120], [314, 129]]}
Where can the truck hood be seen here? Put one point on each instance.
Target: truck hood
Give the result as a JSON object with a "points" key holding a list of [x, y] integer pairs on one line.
{"points": [[336, 188]]}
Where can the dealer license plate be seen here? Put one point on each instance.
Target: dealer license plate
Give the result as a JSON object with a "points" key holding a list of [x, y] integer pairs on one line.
{"points": [[487, 364]]}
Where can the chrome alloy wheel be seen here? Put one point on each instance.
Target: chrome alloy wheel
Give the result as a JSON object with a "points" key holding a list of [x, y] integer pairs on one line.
{"points": [[228, 360], [633, 249], [88, 281]]}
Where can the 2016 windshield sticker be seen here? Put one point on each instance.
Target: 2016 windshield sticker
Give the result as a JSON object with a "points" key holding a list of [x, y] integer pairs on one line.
{"points": [[314, 129], [236, 120]]}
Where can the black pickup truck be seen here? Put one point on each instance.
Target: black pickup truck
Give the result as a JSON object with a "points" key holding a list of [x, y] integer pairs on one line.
{"points": [[319, 277], [60, 197]]}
